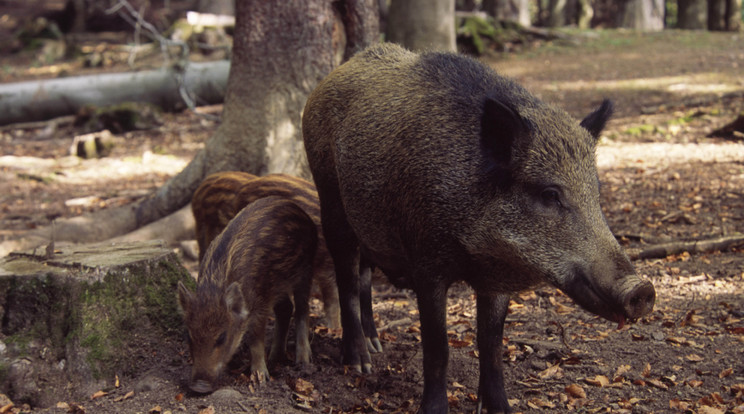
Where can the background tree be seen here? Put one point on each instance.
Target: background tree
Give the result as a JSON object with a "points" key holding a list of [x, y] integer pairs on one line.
{"points": [[422, 24], [646, 15], [282, 49], [733, 15], [556, 13], [509, 10], [692, 14]]}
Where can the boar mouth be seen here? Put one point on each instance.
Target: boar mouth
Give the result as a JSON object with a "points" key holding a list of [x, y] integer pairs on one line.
{"points": [[628, 299]]}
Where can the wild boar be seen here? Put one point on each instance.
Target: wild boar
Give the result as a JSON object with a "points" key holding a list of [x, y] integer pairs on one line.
{"points": [[262, 260], [221, 195], [438, 169]]}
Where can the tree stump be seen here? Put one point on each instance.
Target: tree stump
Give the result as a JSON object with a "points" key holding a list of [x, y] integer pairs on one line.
{"points": [[76, 317]]}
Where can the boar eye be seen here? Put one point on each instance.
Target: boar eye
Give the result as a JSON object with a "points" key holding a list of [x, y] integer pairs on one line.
{"points": [[551, 196], [221, 339]]}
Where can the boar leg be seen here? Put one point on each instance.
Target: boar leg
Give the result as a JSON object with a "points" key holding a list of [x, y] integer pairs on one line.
{"points": [[432, 304], [365, 303], [283, 312], [329, 292], [343, 246], [255, 334], [491, 315], [302, 314]]}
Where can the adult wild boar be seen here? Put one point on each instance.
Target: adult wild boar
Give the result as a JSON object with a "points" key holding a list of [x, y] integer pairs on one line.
{"points": [[437, 169]]}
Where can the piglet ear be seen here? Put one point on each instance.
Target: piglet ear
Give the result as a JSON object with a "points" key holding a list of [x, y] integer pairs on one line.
{"points": [[595, 122], [501, 126], [235, 302], [185, 297]]}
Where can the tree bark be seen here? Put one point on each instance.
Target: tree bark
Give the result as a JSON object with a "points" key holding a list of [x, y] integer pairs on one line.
{"points": [[37, 100], [556, 13], [509, 10], [223, 7], [691, 14], [282, 49], [645, 15], [422, 24], [716, 15], [733, 15]]}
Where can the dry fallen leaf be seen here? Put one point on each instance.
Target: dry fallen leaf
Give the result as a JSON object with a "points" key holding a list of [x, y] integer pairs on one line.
{"points": [[694, 358], [726, 372], [679, 404], [537, 404], [7, 407], [576, 391], [155, 410], [694, 383], [646, 371], [551, 371], [116, 381], [126, 396], [704, 409], [179, 397], [598, 381], [98, 394], [208, 410], [303, 387], [658, 384]]}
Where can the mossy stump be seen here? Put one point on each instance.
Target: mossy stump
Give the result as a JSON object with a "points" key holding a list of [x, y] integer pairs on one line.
{"points": [[76, 317]]}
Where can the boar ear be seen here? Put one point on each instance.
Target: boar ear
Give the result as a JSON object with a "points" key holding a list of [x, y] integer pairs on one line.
{"points": [[235, 302], [595, 121], [500, 128], [185, 297]]}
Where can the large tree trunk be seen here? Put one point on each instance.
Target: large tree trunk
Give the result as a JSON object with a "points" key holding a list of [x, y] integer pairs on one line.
{"points": [[691, 14], [733, 15], [509, 10], [223, 7], [556, 13], [282, 49], [646, 15], [716, 14], [422, 24]]}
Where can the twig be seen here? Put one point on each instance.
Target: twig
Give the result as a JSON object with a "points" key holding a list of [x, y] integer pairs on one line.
{"points": [[697, 246], [134, 18]]}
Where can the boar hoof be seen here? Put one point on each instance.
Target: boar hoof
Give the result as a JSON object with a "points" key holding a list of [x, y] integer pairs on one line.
{"points": [[479, 409], [201, 387], [373, 345]]}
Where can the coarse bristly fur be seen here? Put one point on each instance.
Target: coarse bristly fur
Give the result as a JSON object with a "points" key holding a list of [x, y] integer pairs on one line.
{"points": [[438, 169], [262, 261], [222, 195]]}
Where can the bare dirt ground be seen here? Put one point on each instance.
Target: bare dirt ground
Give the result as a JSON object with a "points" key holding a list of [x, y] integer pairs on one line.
{"points": [[663, 180]]}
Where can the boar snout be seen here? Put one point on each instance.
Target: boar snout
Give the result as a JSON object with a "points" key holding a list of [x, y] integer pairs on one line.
{"points": [[637, 297], [628, 298]]}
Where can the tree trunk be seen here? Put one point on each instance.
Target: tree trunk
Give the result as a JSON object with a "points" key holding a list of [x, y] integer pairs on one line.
{"points": [[716, 15], [733, 15], [509, 10], [580, 13], [691, 14], [645, 15], [422, 24], [282, 50], [556, 13], [223, 7]]}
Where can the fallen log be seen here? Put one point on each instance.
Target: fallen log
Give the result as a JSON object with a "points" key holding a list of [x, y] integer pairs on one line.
{"points": [[44, 99]]}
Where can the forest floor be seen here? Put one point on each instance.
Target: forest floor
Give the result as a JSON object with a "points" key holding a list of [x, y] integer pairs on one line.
{"points": [[664, 180]]}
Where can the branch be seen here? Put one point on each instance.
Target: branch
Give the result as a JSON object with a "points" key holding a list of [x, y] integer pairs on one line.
{"points": [[697, 246]]}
